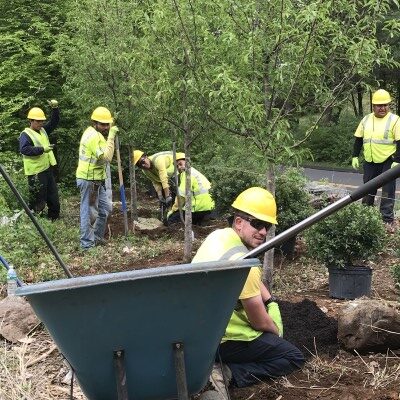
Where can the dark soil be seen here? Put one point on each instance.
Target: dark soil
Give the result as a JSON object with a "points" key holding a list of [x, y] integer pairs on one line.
{"points": [[309, 328]]}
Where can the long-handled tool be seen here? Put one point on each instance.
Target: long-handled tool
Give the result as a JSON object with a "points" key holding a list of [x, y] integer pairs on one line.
{"points": [[121, 186], [359, 193], [33, 219]]}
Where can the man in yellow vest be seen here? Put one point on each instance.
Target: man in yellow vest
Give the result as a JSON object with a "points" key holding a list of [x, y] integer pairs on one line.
{"points": [[202, 202], [159, 168], [378, 134], [252, 347], [38, 159], [94, 153]]}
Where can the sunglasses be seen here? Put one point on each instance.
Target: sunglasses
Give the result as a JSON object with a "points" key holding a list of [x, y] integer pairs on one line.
{"points": [[257, 223]]}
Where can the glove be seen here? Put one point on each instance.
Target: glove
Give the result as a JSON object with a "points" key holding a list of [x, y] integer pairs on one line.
{"points": [[47, 149], [53, 103], [168, 201], [275, 314], [354, 163], [169, 213], [113, 131], [394, 163]]}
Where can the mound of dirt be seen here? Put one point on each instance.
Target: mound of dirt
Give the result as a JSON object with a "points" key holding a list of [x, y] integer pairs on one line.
{"points": [[309, 328]]}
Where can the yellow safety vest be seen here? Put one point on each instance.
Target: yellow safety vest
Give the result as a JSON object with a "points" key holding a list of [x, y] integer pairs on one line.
{"points": [[379, 136], [91, 165], [200, 186], [225, 244], [35, 164], [162, 168]]}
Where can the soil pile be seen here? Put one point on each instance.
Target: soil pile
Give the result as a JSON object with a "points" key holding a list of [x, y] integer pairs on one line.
{"points": [[307, 327]]}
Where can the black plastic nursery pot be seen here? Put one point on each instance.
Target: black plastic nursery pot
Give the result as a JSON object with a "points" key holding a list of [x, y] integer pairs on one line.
{"points": [[350, 282]]}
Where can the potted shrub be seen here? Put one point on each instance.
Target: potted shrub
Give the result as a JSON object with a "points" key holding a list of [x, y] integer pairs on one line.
{"points": [[294, 204], [343, 242]]}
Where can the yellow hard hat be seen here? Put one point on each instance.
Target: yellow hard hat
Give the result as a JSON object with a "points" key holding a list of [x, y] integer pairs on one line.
{"points": [[258, 203], [180, 156], [37, 114], [137, 154], [381, 96], [102, 115]]}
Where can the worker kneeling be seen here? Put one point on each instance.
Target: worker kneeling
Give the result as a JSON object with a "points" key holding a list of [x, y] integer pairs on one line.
{"points": [[202, 202], [252, 347]]}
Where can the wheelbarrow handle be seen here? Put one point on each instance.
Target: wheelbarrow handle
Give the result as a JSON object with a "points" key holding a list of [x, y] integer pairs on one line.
{"points": [[359, 193]]}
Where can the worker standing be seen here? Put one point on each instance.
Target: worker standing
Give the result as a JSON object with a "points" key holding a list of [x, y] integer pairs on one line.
{"points": [[159, 168], [202, 202], [252, 347], [94, 153], [38, 159], [378, 134]]}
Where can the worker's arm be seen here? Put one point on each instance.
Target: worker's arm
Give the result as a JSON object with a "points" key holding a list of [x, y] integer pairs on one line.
{"points": [[54, 120], [109, 150], [396, 155], [258, 315], [27, 148], [358, 142], [161, 167]]}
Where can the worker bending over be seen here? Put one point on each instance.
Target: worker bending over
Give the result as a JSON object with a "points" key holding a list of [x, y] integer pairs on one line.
{"points": [[38, 158], [158, 168], [94, 153], [252, 347], [378, 134], [202, 202]]}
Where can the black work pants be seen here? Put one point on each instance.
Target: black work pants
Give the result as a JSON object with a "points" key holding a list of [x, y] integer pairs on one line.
{"points": [[372, 170], [268, 356], [43, 190]]}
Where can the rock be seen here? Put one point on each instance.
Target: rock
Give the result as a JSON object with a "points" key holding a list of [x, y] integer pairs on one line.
{"points": [[148, 223], [17, 318], [369, 325]]}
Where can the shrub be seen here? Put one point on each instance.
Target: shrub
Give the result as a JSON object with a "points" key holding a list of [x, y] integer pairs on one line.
{"points": [[353, 234], [292, 198]]}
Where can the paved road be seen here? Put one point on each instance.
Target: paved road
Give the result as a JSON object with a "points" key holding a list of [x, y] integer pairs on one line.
{"points": [[350, 180]]}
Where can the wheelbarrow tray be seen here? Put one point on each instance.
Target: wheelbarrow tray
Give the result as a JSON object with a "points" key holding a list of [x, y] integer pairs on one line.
{"points": [[142, 312]]}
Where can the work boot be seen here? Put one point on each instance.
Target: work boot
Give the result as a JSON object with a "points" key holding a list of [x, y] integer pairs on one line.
{"points": [[218, 383]]}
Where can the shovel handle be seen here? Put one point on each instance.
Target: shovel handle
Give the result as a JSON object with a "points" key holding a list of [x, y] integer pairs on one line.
{"points": [[359, 193]]}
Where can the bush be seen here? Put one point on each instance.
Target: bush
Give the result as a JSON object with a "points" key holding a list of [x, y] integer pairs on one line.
{"points": [[292, 198], [227, 182], [333, 144], [353, 234]]}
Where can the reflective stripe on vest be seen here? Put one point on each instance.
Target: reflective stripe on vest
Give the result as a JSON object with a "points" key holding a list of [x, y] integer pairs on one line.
{"points": [[91, 166], [385, 139], [35, 164], [202, 181]]}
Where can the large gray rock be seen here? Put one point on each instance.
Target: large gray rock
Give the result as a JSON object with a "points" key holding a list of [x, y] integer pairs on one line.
{"points": [[16, 318], [369, 325]]}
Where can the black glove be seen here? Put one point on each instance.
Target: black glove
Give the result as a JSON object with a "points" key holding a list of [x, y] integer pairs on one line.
{"points": [[168, 201]]}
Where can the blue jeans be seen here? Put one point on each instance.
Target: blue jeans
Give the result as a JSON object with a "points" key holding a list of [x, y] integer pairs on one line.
{"points": [[268, 356], [93, 211]]}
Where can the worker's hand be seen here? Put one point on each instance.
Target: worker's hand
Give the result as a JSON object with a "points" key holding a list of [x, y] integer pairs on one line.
{"points": [[168, 201], [113, 131], [47, 149], [394, 163], [354, 163], [275, 314], [53, 103]]}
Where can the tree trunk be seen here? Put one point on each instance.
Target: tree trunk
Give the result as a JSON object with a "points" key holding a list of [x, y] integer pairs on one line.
{"points": [[268, 265], [360, 101], [133, 191]]}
